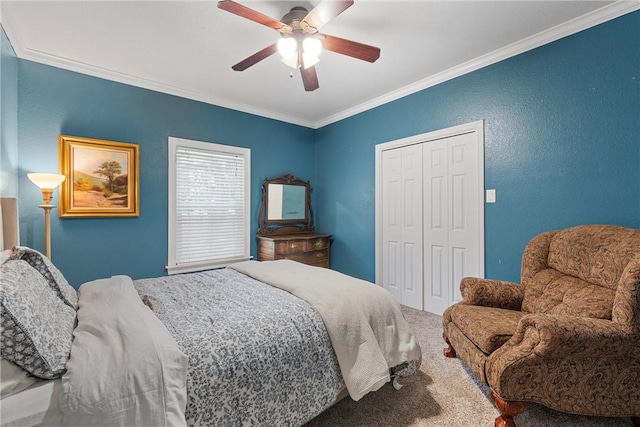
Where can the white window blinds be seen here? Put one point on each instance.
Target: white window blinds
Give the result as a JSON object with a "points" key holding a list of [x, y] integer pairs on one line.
{"points": [[209, 186]]}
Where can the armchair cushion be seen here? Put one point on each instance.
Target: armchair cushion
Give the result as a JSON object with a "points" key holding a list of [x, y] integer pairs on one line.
{"points": [[596, 254], [584, 267], [553, 292], [487, 327]]}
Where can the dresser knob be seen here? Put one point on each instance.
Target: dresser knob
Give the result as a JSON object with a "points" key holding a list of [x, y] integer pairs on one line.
{"points": [[320, 255]]}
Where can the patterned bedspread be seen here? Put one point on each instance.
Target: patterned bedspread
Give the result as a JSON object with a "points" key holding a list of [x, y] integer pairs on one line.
{"points": [[258, 355]]}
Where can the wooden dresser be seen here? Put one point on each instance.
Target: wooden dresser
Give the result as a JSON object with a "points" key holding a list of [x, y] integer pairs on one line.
{"points": [[308, 248]]}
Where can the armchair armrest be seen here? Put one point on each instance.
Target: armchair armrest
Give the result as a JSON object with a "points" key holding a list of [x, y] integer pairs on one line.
{"points": [[568, 363], [491, 293], [574, 338], [626, 306], [534, 258]]}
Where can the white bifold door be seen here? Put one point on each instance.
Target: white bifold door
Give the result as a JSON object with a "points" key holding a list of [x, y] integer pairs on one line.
{"points": [[402, 216], [430, 217]]}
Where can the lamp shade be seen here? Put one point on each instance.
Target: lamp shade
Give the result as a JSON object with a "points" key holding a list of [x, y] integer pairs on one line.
{"points": [[312, 47], [287, 47], [309, 60], [46, 180]]}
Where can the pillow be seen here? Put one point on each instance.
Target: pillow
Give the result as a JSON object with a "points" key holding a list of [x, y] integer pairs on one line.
{"points": [[13, 379], [5, 255], [125, 367], [50, 272], [36, 326]]}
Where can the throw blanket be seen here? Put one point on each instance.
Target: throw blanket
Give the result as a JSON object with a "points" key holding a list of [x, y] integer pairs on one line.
{"points": [[366, 327], [125, 368]]}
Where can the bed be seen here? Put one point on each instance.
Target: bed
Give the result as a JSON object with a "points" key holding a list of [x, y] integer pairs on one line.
{"points": [[257, 343]]}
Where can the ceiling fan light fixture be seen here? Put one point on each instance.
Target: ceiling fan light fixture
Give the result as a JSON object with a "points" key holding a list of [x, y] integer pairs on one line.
{"points": [[291, 62], [287, 47], [302, 42], [309, 61], [312, 47]]}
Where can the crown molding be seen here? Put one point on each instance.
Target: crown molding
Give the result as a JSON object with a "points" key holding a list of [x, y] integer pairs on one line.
{"points": [[576, 25], [22, 52], [568, 28]]}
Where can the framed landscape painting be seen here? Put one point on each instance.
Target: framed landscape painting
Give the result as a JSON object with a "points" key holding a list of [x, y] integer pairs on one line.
{"points": [[102, 178]]}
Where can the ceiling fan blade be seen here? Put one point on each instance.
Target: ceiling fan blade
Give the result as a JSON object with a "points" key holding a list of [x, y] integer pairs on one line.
{"points": [[324, 12], [255, 16], [309, 78], [256, 57], [350, 48]]}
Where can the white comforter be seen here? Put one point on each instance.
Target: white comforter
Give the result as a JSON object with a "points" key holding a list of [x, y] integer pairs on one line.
{"points": [[125, 368], [367, 329]]}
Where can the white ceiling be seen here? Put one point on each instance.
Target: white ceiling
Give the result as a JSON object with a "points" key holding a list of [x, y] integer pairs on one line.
{"points": [[186, 48]]}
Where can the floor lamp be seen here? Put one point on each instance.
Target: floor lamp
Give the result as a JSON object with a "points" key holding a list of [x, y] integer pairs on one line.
{"points": [[47, 182]]}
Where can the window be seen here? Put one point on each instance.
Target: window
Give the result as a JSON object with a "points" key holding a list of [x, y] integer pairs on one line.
{"points": [[209, 197]]}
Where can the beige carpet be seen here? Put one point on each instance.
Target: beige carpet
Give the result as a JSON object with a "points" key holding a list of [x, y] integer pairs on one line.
{"points": [[442, 393]]}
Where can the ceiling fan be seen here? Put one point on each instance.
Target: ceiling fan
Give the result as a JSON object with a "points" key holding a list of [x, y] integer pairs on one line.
{"points": [[301, 41]]}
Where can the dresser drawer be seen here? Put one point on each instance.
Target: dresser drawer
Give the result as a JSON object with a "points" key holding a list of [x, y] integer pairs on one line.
{"points": [[309, 257], [318, 243], [290, 246], [312, 249], [301, 245]]}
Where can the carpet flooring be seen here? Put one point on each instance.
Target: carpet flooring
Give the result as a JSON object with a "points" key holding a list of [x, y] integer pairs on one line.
{"points": [[442, 393]]}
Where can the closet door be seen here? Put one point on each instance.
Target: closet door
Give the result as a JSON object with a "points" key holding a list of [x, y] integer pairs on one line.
{"points": [[451, 227], [402, 224], [430, 215]]}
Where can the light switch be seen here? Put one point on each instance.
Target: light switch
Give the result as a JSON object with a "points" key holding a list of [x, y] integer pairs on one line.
{"points": [[491, 196]]}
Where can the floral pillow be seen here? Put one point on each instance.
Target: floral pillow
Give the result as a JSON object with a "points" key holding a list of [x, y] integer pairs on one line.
{"points": [[36, 327], [49, 271]]}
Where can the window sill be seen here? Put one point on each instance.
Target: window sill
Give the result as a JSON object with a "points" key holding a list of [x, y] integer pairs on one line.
{"points": [[191, 268]]}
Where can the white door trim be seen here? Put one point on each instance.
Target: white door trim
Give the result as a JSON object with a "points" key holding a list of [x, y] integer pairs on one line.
{"points": [[478, 128]]}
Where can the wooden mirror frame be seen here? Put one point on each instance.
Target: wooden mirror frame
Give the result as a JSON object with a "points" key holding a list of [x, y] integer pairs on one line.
{"points": [[285, 226]]}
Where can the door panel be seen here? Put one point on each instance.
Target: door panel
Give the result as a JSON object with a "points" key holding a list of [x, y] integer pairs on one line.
{"points": [[402, 224], [464, 235], [459, 270], [412, 225], [391, 213], [437, 269], [436, 230]]}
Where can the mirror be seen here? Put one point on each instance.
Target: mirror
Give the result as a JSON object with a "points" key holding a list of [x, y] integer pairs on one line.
{"points": [[286, 206], [286, 202]]}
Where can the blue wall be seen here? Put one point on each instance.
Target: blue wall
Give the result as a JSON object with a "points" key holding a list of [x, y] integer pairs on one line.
{"points": [[53, 102], [8, 118], [562, 146]]}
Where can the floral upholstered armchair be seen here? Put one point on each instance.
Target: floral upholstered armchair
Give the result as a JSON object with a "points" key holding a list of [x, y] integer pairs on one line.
{"points": [[567, 337]]}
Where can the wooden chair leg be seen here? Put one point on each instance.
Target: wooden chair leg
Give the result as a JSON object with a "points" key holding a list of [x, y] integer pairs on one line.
{"points": [[508, 410], [635, 421], [449, 351]]}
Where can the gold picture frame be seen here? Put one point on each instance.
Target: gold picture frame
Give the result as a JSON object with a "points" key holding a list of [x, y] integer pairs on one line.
{"points": [[102, 178]]}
